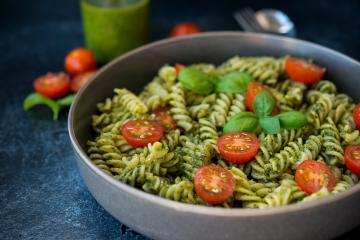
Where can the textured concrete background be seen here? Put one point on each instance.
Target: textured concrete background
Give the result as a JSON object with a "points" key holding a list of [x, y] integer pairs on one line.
{"points": [[42, 195]]}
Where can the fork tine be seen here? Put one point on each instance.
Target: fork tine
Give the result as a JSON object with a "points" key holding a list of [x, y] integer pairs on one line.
{"points": [[249, 15], [243, 22]]}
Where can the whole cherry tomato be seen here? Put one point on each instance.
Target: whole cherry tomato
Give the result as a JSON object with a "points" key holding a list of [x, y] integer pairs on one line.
{"points": [[184, 28], [79, 60]]}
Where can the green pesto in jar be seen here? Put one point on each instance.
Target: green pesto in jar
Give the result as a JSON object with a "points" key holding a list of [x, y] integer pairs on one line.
{"points": [[113, 27]]}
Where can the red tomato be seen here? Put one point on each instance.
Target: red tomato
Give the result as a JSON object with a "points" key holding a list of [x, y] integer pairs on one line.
{"points": [[238, 147], [352, 158], [165, 118], [80, 79], [178, 67], [184, 28], [311, 176], [52, 85], [253, 89], [138, 133], [356, 115], [79, 60], [214, 184], [303, 71]]}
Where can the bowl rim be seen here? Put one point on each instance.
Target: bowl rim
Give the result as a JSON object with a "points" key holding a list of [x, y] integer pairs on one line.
{"points": [[190, 208]]}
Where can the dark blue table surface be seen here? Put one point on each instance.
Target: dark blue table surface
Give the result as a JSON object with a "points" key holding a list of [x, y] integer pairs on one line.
{"points": [[42, 195]]}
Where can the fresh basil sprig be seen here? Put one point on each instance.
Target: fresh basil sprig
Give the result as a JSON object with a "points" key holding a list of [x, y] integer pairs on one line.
{"points": [[234, 82], [264, 104], [35, 99], [196, 81], [243, 121]]}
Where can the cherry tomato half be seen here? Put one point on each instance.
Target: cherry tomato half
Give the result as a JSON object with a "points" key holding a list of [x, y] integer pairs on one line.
{"points": [[52, 85], [253, 89], [311, 176], [214, 184], [79, 80], [238, 147], [138, 133], [356, 115], [352, 158], [165, 118], [303, 71], [178, 67], [79, 60], [184, 28]]}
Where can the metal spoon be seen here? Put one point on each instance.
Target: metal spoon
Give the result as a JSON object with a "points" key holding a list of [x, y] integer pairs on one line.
{"points": [[265, 20], [275, 21]]}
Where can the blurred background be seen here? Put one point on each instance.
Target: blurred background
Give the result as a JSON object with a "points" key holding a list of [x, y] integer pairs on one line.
{"points": [[41, 192]]}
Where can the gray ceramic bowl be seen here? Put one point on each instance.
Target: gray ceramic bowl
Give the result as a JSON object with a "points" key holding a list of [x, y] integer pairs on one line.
{"points": [[164, 219]]}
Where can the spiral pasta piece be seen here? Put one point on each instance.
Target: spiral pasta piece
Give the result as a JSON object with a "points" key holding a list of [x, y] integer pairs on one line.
{"points": [[310, 150], [341, 187], [243, 191], [323, 192], [178, 108], [332, 150], [148, 161], [182, 191], [271, 144], [130, 101], [325, 86], [168, 74], [282, 160], [208, 132], [194, 156], [171, 140], [237, 105], [199, 111], [221, 108], [153, 184], [296, 193], [319, 110], [347, 130], [206, 68]]}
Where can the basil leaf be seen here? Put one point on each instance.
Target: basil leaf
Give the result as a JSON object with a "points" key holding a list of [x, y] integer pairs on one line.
{"points": [[264, 104], [214, 80], [234, 82], [243, 121], [195, 80], [292, 120], [35, 99], [66, 101], [271, 125]]}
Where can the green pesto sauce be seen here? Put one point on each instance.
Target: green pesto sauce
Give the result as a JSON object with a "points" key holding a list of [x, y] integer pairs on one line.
{"points": [[114, 27]]}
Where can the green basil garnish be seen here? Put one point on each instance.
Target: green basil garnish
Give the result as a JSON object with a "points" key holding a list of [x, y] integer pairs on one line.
{"points": [[271, 125], [214, 80], [35, 99], [66, 101], [234, 82], [243, 121], [195, 80], [292, 120], [264, 104]]}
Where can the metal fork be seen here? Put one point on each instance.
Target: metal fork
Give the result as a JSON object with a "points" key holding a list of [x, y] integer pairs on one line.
{"points": [[246, 18]]}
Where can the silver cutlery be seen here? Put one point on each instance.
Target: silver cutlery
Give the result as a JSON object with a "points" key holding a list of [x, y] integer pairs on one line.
{"points": [[265, 21]]}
